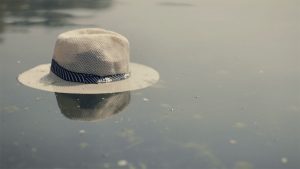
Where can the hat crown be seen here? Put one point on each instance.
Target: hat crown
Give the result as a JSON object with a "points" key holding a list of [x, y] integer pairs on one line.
{"points": [[92, 51]]}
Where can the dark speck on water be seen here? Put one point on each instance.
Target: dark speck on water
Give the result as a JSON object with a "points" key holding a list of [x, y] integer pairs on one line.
{"points": [[228, 95]]}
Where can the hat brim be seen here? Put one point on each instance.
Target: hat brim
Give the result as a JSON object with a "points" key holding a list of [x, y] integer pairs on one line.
{"points": [[141, 76]]}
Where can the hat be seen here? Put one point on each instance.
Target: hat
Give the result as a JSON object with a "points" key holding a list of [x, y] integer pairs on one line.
{"points": [[90, 61], [91, 107]]}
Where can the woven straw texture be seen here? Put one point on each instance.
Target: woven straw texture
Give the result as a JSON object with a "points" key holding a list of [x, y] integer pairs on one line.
{"points": [[92, 51]]}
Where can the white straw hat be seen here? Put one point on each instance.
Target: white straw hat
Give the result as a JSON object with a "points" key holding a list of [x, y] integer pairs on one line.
{"points": [[90, 61]]}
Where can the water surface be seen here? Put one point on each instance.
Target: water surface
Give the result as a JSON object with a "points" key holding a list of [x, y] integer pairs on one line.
{"points": [[228, 96]]}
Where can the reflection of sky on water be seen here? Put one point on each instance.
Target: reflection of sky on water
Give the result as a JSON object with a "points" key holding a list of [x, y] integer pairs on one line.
{"points": [[228, 95]]}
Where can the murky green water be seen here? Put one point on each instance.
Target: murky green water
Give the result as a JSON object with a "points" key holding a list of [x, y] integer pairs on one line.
{"points": [[229, 94]]}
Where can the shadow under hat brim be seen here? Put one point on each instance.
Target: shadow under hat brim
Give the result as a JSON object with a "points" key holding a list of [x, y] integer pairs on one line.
{"points": [[141, 76]]}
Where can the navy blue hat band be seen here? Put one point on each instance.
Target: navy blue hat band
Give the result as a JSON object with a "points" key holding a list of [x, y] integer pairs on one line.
{"points": [[84, 77]]}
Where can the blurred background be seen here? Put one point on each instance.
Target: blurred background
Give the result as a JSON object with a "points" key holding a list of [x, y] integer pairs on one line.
{"points": [[228, 95]]}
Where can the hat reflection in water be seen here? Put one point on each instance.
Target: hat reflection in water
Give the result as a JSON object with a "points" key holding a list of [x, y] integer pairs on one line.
{"points": [[91, 107]]}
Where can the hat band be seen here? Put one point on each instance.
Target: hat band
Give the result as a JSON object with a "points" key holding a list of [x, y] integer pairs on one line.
{"points": [[84, 77]]}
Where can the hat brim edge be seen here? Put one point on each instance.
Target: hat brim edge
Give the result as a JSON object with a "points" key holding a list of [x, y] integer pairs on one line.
{"points": [[40, 77]]}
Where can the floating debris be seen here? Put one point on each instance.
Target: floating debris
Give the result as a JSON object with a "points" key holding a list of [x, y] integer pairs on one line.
{"points": [[239, 125], [122, 163], [11, 109], [26, 108], [145, 99], [169, 107], [261, 71], [19, 61], [33, 149], [284, 160], [143, 165], [232, 141], [204, 152], [129, 135], [196, 97], [83, 145], [37, 98], [81, 131], [243, 165]]}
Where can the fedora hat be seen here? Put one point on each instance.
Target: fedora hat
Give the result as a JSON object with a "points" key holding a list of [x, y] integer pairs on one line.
{"points": [[91, 107], [90, 61]]}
